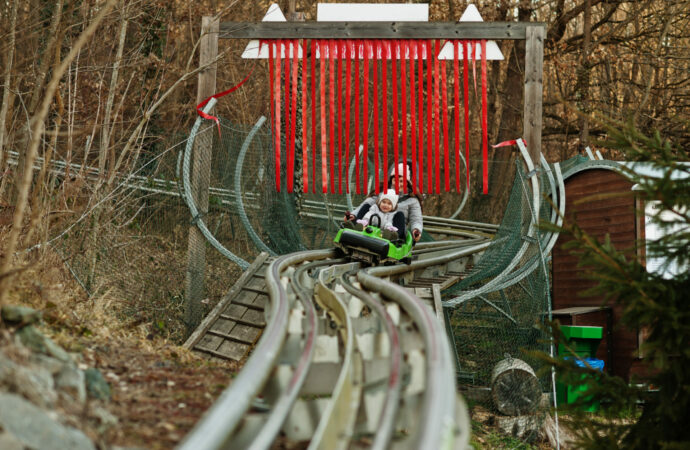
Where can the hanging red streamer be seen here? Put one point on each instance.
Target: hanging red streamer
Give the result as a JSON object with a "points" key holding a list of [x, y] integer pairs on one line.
{"points": [[505, 143], [276, 87], [288, 134], [331, 110], [420, 92], [466, 105], [456, 111], [384, 95], [444, 105], [313, 115], [293, 115], [341, 53], [403, 100], [200, 106], [396, 129], [437, 131], [305, 159], [485, 138], [429, 118], [324, 131], [413, 121], [348, 100], [365, 115], [377, 58], [357, 100], [271, 81]]}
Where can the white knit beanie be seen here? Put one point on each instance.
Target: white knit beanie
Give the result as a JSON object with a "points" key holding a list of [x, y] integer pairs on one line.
{"points": [[403, 171], [390, 195]]}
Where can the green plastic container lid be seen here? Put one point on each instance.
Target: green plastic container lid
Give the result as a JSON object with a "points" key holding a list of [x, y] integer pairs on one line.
{"points": [[582, 332]]}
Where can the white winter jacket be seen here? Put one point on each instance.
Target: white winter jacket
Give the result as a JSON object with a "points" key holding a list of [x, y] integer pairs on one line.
{"points": [[408, 204]]}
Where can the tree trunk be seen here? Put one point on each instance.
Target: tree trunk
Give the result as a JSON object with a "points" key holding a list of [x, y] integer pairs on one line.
{"points": [[8, 75], [583, 79], [36, 96], [491, 207]]}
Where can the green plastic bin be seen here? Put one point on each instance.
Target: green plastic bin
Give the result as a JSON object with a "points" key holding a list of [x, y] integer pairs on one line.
{"points": [[584, 341]]}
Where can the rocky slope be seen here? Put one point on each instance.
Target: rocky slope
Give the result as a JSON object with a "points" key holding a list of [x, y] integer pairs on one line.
{"points": [[108, 394]]}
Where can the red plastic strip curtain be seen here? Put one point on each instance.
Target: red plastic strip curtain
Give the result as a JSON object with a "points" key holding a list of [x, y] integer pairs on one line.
{"points": [[444, 112], [485, 139], [348, 100], [341, 52], [429, 119], [403, 100], [384, 95], [377, 58], [305, 159], [357, 81], [276, 94], [437, 131], [466, 105], [288, 134], [456, 111], [323, 49], [413, 121], [331, 110], [420, 91], [271, 81], [365, 114], [396, 132], [294, 45], [313, 116]]}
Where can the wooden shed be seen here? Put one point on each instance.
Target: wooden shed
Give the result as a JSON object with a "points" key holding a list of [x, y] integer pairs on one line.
{"points": [[615, 216]]}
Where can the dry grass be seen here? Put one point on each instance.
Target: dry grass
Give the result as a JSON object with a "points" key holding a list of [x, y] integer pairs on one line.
{"points": [[159, 390]]}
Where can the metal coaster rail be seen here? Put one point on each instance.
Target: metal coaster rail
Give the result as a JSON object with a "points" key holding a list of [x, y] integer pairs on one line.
{"points": [[324, 359]]}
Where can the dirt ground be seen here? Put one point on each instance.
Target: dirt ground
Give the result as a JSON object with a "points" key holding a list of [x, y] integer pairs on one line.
{"points": [[157, 397]]}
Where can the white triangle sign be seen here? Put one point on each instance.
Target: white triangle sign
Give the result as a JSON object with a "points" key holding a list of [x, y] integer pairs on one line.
{"points": [[471, 14], [274, 14]]}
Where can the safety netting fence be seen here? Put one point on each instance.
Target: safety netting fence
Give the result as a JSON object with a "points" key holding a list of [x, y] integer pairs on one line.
{"points": [[497, 314]]}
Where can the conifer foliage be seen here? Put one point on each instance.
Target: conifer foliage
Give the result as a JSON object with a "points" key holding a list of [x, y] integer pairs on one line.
{"points": [[654, 412]]}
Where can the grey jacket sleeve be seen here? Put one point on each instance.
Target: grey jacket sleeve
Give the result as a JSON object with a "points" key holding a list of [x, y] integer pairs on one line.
{"points": [[369, 200], [414, 214]]}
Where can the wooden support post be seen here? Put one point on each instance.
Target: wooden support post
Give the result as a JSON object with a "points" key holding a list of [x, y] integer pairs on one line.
{"points": [[534, 67], [199, 178]]}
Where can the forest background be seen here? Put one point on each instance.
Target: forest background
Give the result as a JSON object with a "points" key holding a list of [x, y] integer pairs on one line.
{"points": [[109, 87]]}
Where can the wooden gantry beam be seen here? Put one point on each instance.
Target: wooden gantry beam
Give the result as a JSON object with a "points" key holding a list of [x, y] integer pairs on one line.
{"points": [[376, 30]]}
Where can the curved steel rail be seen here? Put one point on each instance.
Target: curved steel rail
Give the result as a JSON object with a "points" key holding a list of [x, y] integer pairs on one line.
{"points": [[511, 277], [386, 421], [190, 200], [593, 164], [219, 425], [465, 194], [437, 418], [239, 204], [216, 427], [549, 243], [338, 419], [287, 398], [532, 229]]}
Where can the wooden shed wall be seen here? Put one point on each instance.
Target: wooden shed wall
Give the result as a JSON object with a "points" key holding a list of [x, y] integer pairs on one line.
{"points": [[616, 217]]}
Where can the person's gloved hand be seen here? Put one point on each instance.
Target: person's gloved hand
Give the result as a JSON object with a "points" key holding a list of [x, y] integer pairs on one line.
{"points": [[416, 235]]}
